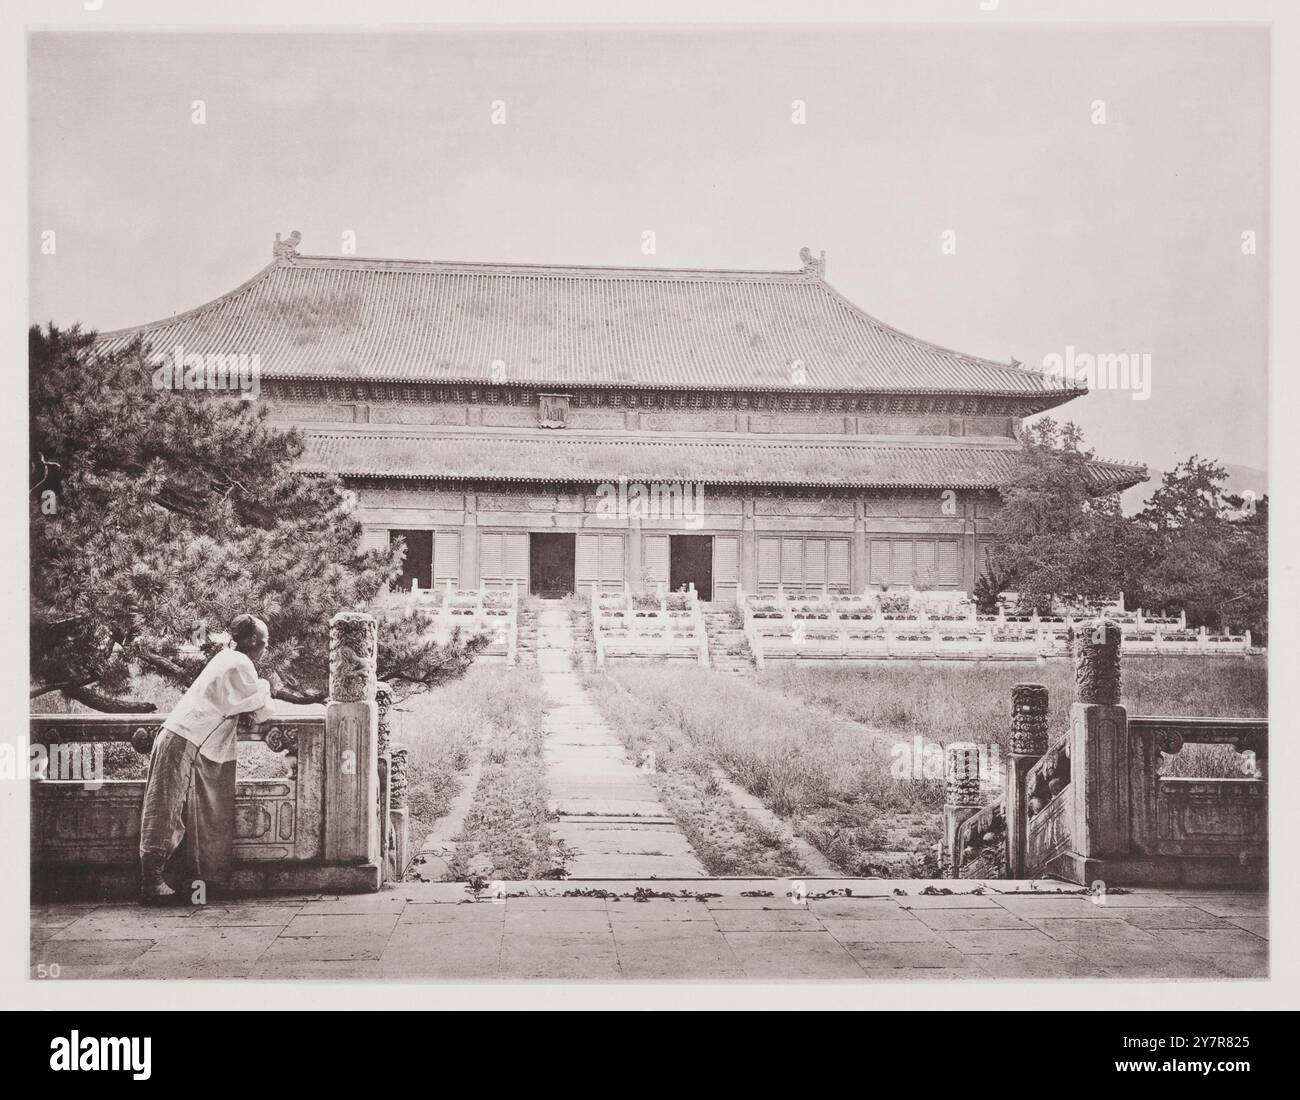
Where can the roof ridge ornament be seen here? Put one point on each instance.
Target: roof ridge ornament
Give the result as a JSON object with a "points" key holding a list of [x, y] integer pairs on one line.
{"points": [[286, 249], [815, 268]]}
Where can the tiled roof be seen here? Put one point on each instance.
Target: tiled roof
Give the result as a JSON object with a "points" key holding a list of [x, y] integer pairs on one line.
{"points": [[314, 317], [744, 460]]}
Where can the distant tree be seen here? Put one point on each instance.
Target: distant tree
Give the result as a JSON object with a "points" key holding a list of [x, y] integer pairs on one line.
{"points": [[1204, 551], [157, 515], [1056, 539], [1246, 608]]}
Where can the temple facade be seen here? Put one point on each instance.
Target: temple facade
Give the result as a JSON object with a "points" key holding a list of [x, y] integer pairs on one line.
{"points": [[560, 428]]}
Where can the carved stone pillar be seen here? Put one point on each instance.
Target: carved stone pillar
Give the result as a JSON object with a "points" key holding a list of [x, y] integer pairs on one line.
{"points": [[1028, 743], [1099, 745], [351, 758], [399, 781], [384, 739], [400, 814], [384, 719], [961, 772], [1096, 662]]}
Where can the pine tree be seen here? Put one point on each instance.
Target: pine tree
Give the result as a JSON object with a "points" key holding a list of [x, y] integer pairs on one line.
{"points": [[158, 515]]}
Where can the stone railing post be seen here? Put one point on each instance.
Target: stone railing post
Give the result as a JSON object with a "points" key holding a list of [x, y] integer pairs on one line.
{"points": [[384, 745], [961, 771], [351, 764], [1099, 745], [1028, 743], [400, 813]]}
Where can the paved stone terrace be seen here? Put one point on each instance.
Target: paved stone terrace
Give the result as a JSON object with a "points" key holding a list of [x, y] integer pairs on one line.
{"points": [[886, 931]]}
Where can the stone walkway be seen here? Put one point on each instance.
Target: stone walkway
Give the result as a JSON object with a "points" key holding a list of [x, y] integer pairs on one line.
{"points": [[608, 810], [904, 930]]}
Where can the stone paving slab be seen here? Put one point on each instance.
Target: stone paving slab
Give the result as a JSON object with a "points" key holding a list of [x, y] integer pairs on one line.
{"points": [[1226, 905], [1086, 908], [909, 956], [628, 836], [882, 931], [583, 807], [241, 915], [789, 919], [805, 955], [575, 958], [643, 820], [1092, 931], [969, 920], [647, 912], [608, 811], [437, 932], [654, 952], [1257, 925], [610, 867], [341, 924], [1170, 916]]}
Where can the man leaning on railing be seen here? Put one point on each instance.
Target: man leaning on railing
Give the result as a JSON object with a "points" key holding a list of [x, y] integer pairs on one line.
{"points": [[190, 794]]}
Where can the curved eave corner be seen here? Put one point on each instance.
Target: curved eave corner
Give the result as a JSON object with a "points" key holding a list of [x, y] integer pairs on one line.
{"points": [[121, 336], [1115, 477]]}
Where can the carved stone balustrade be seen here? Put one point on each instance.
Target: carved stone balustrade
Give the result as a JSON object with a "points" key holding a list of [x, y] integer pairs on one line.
{"points": [[316, 828]]}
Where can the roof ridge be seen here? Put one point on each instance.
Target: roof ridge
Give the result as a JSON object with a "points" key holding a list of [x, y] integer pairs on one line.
{"points": [[508, 267]]}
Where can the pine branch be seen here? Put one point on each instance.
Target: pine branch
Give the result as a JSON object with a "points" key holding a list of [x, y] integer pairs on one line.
{"points": [[290, 695], [96, 700]]}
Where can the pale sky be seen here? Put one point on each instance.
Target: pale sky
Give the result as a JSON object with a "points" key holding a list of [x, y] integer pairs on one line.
{"points": [[1122, 237]]}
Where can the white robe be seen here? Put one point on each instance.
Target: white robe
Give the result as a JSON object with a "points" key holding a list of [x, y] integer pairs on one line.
{"points": [[208, 713]]}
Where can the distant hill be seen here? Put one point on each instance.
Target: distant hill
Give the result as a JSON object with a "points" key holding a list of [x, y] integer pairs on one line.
{"points": [[1240, 478]]}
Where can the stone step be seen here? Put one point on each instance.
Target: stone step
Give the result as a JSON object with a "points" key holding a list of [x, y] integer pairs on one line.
{"points": [[577, 806], [628, 844]]}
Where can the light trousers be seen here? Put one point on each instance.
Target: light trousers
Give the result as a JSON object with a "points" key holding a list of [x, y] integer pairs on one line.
{"points": [[187, 821]]}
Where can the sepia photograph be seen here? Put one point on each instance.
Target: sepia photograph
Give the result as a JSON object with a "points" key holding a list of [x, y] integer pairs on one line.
{"points": [[648, 503]]}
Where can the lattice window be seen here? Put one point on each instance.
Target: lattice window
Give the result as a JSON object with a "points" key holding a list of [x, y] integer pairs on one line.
{"points": [[803, 564], [926, 563]]}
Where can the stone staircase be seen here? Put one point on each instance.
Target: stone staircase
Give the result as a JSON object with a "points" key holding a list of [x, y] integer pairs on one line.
{"points": [[526, 636], [584, 645], [553, 647], [728, 646]]}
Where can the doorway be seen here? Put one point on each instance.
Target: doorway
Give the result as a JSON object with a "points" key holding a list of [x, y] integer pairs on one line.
{"points": [[690, 561], [551, 565], [418, 564]]}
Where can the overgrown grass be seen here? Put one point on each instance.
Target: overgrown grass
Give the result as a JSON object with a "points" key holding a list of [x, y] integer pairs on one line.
{"points": [[972, 702], [507, 833], [726, 839], [440, 729], [832, 782]]}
